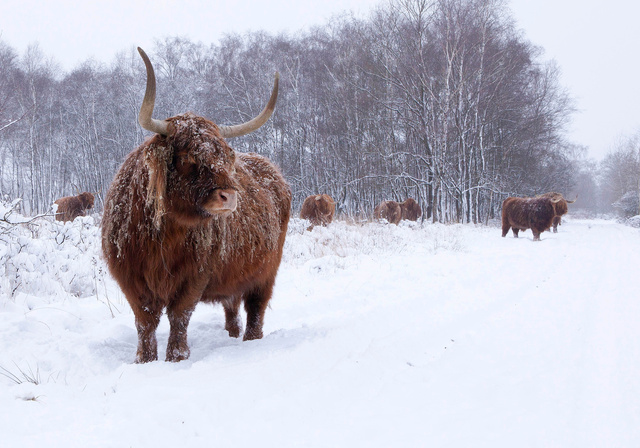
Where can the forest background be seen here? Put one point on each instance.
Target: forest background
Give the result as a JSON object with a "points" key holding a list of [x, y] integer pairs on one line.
{"points": [[441, 100]]}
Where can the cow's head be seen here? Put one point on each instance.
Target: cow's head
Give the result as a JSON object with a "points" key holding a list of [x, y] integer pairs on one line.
{"points": [[323, 205], [87, 199], [192, 172]]}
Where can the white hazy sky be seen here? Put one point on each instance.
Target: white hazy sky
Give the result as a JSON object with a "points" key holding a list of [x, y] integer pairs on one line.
{"points": [[596, 43]]}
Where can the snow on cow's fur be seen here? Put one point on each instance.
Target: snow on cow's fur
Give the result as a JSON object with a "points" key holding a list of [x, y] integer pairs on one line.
{"points": [[187, 219], [70, 207], [319, 209], [528, 213]]}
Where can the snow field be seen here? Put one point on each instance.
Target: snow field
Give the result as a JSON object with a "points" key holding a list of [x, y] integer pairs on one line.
{"points": [[377, 335]]}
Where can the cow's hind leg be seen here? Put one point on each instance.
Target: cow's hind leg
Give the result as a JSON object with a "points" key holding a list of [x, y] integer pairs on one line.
{"points": [[255, 304], [505, 224], [515, 232]]}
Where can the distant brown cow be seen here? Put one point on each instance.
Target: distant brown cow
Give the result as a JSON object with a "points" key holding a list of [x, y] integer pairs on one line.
{"points": [[188, 219], [410, 209], [319, 209], [561, 208], [389, 210], [70, 207], [528, 213]]}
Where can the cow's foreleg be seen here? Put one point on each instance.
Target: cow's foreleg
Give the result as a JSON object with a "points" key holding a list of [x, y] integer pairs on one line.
{"points": [[146, 323], [232, 320], [255, 304], [179, 316]]}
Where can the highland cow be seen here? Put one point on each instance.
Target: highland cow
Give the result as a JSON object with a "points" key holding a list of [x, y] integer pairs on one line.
{"points": [[528, 213], [389, 210], [318, 209], [410, 209], [70, 207], [561, 208], [187, 219]]}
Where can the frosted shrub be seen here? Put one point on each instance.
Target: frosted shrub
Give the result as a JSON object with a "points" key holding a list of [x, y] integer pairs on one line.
{"points": [[342, 239], [43, 257], [634, 221]]}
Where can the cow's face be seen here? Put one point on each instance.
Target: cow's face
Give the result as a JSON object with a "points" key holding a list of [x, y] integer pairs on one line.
{"points": [[200, 174], [561, 207], [323, 205], [191, 168], [87, 200]]}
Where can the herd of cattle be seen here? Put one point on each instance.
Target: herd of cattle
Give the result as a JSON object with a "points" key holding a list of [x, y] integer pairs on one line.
{"points": [[188, 220], [321, 208]]}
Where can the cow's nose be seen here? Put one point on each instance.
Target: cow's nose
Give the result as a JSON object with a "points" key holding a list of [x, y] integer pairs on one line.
{"points": [[228, 198]]}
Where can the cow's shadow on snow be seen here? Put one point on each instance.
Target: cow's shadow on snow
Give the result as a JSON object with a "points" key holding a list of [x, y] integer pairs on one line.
{"points": [[211, 340], [207, 338]]}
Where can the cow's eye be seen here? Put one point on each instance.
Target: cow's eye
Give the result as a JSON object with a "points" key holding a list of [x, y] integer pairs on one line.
{"points": [[186, 163]]}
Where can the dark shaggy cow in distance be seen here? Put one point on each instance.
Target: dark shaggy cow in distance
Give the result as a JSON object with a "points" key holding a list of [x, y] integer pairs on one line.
{"points": [[561, 208], [319, 209], [70, 207], [410, 209], [187, 219], [528, 213], [389, 210]]}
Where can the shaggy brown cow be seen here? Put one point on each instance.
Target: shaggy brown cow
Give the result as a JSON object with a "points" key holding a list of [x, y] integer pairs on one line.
{"points": [[187, 219], [561, 208], [389, 210], [319, 209], [70, 207], [528, 213], [410, 209]]}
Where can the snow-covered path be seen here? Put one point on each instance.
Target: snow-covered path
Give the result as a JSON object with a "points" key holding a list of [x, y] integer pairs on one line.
{"points": [[446, 336]]}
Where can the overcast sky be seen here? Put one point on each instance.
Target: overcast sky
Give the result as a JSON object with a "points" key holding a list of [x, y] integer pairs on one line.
{"points": [[596, 43]]}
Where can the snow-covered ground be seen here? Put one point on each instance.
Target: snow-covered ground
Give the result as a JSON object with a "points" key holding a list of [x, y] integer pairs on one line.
{"points": [[377, 336]]}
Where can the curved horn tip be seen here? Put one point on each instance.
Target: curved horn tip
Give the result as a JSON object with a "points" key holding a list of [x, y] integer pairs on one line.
{"points": [[255, 123], [146, 109], [144, 56]]}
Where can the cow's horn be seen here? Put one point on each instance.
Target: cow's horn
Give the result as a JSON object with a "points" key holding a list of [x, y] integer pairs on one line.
{"points": [[252, 125], [146, 110], [571, 202]]}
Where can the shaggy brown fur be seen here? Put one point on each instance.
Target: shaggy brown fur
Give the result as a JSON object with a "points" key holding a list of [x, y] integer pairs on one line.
{"points": [[389, 210], [319, 209], [561, 208], [528, 213], [410, 209], [187, 219], [70, 207]]}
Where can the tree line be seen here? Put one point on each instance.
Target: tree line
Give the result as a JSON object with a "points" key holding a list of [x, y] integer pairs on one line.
{"points": [[444, 101]]}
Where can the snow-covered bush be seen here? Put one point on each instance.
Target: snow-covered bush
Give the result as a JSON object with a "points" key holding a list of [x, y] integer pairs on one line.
{"points": [[634, 221], [344, 239], [628, 204], [44, 257]]}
